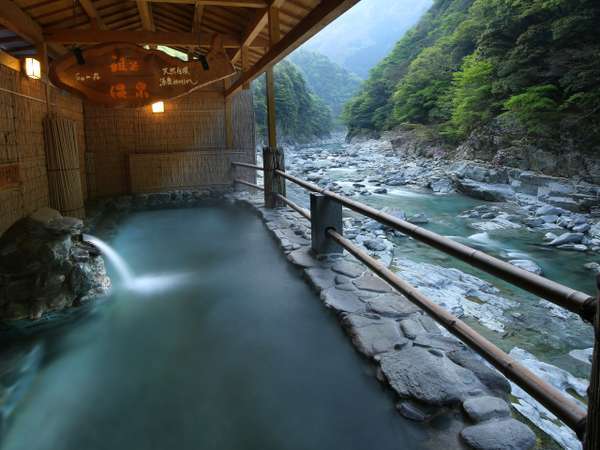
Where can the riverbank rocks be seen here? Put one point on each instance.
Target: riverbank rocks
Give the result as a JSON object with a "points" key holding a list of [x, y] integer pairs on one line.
{"points": [[507, 434], [431, 372], [45, 267]]}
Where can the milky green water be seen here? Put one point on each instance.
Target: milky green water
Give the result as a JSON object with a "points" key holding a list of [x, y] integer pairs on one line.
{"points": [[216, 344]]}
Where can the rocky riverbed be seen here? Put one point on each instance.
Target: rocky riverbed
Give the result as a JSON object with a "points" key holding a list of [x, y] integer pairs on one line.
{"points": [[547, 225]]}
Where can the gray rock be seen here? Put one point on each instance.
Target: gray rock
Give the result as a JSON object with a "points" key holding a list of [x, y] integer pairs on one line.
{"points": [[567, 238], [593, 266], [370, 282], [484, 408], [415, 372], [343, 301], [412, 327], [380, 191], [582, 228], [438, 341], [527, 265], [320, 278], [376, 245], [442, 186], [484, 191], [391, 305], [490, 377], [412, 411], [506, 434], [348, 269], [548, 210], [418, 219], [303, 258], [373, 335]]}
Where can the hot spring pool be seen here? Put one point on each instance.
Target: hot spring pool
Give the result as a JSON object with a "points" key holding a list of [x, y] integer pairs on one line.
{"points": [[217, 343]]}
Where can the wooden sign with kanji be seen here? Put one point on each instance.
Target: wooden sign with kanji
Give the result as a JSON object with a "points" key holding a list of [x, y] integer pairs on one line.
{"points": [[129, 76]]}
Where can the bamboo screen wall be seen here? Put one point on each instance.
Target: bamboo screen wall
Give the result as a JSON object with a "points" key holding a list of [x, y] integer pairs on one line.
{"points": [[22, 109], [189, 139]]}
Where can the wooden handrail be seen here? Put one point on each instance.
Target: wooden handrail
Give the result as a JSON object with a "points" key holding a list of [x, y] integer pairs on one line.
{"points": [[247, 183], [575, 301], [249, 166]]}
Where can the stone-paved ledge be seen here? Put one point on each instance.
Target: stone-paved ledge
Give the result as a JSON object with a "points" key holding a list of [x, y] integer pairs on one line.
{"points": [[430, 371]]}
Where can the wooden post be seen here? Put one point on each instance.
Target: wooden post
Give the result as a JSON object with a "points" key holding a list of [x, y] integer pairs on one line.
{"points": [[274, 184], [228, 117], [272, 155], [42, 54], [274, 36], [592, 430]]}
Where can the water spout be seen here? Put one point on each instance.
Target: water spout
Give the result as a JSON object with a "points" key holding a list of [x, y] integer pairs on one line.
{"points": [[116, 260], [147, 284]]}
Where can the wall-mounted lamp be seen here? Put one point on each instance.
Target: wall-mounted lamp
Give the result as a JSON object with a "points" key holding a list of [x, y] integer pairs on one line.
{"points": [[158, 107], [33, 68]]}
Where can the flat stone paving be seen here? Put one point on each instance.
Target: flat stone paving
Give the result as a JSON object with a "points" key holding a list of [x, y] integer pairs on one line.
{"points": [[428, 369]]}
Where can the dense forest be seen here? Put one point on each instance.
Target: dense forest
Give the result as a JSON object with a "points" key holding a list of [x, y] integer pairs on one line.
{"points": [[529, 64], [301, 115], [331, 82]]}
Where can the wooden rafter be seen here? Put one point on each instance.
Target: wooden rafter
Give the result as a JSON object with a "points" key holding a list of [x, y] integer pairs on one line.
{"points": [[315, 21], [92, 13], [198, 15], [146, 17], [19, 22], [224, 3], [201, 39], [256, 25]]}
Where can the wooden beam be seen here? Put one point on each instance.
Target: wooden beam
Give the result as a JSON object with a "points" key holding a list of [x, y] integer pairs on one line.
{"points": [[256, 25], [140, 37], [274, 37], [315, 21], [19, 22], [92, 13], [198, 16], [145, 11], [228, 116], [235, 3], [245, 63], [225, 3], [274, 26], [10, 61]]}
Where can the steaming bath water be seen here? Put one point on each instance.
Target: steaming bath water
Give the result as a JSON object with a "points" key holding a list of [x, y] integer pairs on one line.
{"points": [[236, 352]]}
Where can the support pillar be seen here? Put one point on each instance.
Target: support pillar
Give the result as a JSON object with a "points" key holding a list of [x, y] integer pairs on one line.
{"points": [[592, 430], [274, 184], [325, 213]]}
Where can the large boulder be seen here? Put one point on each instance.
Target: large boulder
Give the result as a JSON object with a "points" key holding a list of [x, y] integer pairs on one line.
{"points": [[45, 267], [429, 376], [506, 434]]}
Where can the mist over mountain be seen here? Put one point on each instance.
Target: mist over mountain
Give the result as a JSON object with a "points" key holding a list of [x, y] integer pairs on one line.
{"points": [[367, 33], [331, 82]]}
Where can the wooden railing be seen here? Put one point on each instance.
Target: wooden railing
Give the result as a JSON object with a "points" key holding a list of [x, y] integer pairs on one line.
{"points": [[585, 424]]}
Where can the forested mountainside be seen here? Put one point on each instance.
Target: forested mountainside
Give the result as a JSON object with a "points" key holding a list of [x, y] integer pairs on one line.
{"points": [[301, 115], [366, 33], [526, 67], [330, 81]]}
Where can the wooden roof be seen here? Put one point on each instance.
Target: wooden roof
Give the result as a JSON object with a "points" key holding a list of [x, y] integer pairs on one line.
{"points": [[256, 33]]}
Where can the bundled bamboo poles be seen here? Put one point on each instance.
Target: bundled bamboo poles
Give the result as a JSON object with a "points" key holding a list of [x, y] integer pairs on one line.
{"points": [[62, 160]]}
